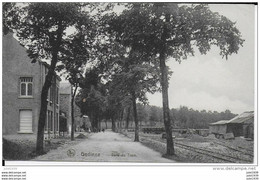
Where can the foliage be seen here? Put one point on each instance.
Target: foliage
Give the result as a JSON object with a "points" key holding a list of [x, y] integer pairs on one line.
{"points": [[132, 75], [91, 98], [10, 16], [75, 53], [142, 26], [37, 28], [189, 118], [183, 117]]}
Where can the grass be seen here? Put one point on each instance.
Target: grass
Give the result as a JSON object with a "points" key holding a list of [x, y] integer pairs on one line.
{"points": [[16, 151], [23, 147]]}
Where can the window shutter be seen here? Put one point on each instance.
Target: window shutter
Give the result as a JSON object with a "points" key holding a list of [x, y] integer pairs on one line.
{"points": [[26, 121]]}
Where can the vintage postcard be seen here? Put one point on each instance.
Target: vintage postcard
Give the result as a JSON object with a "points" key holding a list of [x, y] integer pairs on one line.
{"points": [[154, 83]]}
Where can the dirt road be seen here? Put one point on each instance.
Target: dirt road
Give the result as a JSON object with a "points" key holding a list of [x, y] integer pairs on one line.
{"points": [[105, 147]]}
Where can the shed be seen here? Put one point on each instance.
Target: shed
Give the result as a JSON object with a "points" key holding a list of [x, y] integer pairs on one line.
{"points": [[219, 127], [241, 125]]}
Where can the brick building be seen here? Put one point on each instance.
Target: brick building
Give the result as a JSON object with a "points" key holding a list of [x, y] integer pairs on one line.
{"points": [[21, 88], [65, 101]]}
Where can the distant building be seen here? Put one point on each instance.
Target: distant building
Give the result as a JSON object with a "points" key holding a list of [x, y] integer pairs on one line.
{"points": [[22, 85], [218, 128], [65, 102], [79, 120], [241, 125]]}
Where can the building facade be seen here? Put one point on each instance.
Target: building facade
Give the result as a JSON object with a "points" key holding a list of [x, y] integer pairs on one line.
{"points": [[65, 101], [21, 88]]}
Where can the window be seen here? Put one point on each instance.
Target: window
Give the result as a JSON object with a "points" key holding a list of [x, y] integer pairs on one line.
{"points": [[50, 120], [46, 121], [56, 128], [51, 94], [26, 86], [57, 95], [25, 121], [48, 95]]}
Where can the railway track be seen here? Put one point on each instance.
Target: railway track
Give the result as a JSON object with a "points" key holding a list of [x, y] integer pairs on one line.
{"points": [[212, 154], [242, 150]]}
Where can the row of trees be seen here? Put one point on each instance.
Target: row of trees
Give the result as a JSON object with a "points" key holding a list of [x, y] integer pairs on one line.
{"points": [[189, 118], [182, 117], [127, 50]]}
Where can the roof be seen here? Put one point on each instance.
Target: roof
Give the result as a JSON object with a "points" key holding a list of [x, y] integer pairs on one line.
{"points": [[246, 116], [10, 37], [65, 88], [242, 118], [220, 122]]}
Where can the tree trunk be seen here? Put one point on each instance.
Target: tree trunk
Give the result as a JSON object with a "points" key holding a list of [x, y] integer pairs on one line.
{"points": [[47, 84], [91, 121], [41, 123], [166, 115], [127, 117], [99, 123], [72, 113], [135, 117], [164, 84], [121, 118], [113, 124], [96, 122]]}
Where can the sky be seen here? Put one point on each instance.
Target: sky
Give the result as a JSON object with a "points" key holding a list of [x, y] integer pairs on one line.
{"points": [[212, 83]]}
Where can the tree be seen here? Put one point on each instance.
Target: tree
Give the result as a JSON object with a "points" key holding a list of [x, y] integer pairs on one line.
{"points": [[74, 55], [10, 16], [41, 28], [169, 30], [134, 78], [143, 113], [99, 97], [189, 118], [184, 116], [91, 98], [128, 111], [116, 103]]}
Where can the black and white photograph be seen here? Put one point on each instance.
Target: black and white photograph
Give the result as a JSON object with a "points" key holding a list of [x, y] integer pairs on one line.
{"points": [[159, 83]]}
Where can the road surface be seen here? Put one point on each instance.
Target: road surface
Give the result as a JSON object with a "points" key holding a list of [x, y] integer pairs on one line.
{"points": [[105, 147]]}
